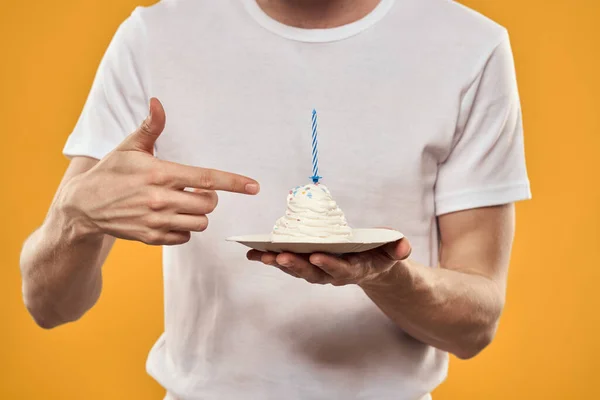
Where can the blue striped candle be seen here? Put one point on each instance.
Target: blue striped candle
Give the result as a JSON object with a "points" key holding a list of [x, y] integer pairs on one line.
{"points": [[315, 153]]}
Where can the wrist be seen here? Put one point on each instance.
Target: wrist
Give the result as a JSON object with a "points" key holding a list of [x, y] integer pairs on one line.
{"points": [[398, 278], [69, 219]]}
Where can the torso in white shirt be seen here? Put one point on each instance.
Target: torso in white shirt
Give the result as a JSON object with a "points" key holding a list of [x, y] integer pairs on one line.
{"points": [[418, 116]]}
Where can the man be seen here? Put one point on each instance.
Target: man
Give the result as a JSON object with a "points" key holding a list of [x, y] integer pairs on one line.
{"points": [[420, 130]]}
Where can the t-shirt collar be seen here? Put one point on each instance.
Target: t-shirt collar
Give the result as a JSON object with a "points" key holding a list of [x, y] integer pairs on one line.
{"points": [[318, 35]]}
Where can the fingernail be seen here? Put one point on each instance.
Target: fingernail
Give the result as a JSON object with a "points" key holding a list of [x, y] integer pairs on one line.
{"points": [[285, 264], [317, 262], [252, 188]]}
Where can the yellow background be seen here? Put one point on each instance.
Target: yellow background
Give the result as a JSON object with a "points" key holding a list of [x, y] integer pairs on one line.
{"points": [[548, 343]]}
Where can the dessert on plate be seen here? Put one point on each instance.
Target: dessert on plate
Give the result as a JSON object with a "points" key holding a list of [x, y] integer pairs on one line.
{"points": [[313, 222], [312, 216]]}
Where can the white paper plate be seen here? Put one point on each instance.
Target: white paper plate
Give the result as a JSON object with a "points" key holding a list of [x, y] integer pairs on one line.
{"points": [[362, 240]]}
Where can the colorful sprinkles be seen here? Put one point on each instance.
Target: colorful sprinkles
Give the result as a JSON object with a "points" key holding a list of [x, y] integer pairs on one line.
{"points": [[304, 191]]}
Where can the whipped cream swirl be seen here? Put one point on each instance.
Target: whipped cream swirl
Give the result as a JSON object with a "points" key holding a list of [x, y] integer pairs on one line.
{"points": [[311, 216]]}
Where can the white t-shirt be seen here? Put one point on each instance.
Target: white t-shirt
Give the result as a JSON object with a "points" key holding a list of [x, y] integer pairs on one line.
{"points": [[419, 116]]}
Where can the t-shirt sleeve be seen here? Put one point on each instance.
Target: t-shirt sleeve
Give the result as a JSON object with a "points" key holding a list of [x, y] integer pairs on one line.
{"points": [[486, 165], [118, 101]]}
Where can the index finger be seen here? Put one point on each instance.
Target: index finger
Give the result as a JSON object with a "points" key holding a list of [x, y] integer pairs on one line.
{"points": [[210, 179]]}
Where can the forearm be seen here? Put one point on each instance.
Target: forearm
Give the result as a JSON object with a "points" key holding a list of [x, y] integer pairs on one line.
{"points": [[61, 270], [451, 310]]}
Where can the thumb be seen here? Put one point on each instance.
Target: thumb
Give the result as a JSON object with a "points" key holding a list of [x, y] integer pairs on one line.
{"points": [[145, 136], [399, 250]]}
